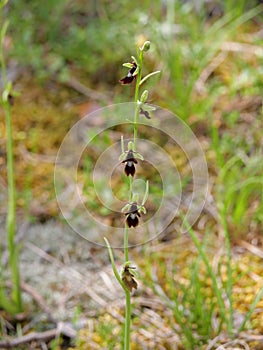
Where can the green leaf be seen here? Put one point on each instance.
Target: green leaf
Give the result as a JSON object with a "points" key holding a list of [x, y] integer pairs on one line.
{"points": [[251, 309], [114, 268], [6, 303]]}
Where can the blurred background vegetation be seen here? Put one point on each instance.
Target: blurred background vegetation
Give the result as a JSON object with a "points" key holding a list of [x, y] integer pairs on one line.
{"points": [[65, 59]]}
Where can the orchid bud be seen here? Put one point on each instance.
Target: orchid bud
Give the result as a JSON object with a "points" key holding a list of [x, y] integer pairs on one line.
{"points": [[146, 46]]}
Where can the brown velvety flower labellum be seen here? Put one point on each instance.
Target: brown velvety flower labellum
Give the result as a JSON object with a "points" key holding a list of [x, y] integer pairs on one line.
{"points": [[130, 161], [129, 77], [129, 168], [133, 215]]}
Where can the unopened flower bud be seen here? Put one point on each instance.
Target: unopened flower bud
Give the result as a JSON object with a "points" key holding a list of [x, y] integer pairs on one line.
{"points": [[146, 46]]}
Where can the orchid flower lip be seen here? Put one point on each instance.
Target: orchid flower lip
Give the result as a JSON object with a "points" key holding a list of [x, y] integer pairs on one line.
{"points": [[128, 79], [133, 215]]}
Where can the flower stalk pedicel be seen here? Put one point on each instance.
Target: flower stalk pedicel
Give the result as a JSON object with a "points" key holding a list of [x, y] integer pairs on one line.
{"points": [[133, 209]]}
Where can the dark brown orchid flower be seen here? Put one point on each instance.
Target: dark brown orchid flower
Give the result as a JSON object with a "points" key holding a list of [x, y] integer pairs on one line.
{"points": [[128, 278], [133, 215], [130, 161], [145, 113], [129, 77]]}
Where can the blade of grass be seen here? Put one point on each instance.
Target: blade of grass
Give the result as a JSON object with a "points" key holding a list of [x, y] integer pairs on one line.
{"points": [[222, 308], [251, 310], [11, 213]]}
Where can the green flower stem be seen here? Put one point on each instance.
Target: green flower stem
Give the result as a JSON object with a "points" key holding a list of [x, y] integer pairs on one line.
{"points": [[126, 243], [136, 98], [127, 325], [126, 229], [131, 182], [127, 329], [11, 214], [139, 75]]}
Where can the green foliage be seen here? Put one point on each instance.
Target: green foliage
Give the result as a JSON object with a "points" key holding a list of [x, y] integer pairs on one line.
{"points": [[239, 182], [197, 44], [90, 39], [242, 187], [11, 303], [104, 330], [57, 35], [195, 291], [190, 300]]}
